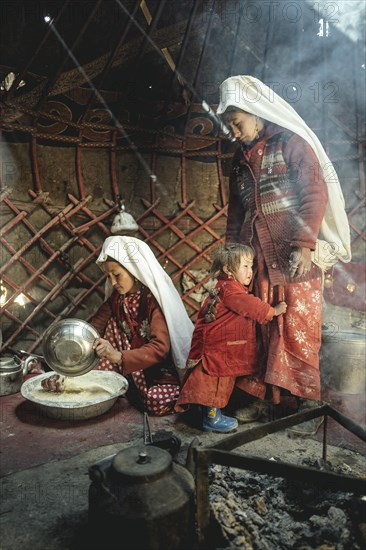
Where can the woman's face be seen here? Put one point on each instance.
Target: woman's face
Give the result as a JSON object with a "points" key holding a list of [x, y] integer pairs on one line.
{"points": [[121, 279], [244, 273], [244, 126]]}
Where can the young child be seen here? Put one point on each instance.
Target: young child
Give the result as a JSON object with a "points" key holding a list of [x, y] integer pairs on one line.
{"points": [[224, 339]]}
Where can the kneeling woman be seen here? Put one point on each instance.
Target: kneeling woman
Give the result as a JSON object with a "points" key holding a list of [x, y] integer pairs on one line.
{"points": [[146, 329]]}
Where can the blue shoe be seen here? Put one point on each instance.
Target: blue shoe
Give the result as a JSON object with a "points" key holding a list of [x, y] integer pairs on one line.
{"points": [[215, 421]]}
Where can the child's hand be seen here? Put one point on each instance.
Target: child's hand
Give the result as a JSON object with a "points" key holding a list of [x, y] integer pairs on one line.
{"points": [[280, 308]]}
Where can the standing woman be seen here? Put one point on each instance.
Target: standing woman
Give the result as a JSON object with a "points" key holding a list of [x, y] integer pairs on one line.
{"points": [[286, 201], [146, 329]]}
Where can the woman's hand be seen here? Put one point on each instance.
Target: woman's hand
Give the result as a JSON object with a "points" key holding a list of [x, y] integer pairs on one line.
{"points": [[105, 350], [300, 261], [280, 308]]}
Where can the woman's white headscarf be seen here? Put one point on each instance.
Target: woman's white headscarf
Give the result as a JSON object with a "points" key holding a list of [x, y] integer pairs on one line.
{"points": [[251, 95], [137, 257]]}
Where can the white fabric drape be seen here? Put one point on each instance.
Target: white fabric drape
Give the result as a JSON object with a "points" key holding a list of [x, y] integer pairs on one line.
{"points": [[251, 95], [137, 257]]}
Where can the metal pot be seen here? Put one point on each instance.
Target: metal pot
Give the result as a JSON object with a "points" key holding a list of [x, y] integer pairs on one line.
{"points": [[343, 350], [12, 372], [141, 496]]}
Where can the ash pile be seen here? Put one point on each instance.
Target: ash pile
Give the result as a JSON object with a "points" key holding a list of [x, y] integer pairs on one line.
{"points": [[254, 511]]}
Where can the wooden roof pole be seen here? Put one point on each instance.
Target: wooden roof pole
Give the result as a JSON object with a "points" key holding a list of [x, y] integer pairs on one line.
{"points": [[236, 36], [189, 112], [54, 79], [165, 51], [105, 70], [176, 71], [146, 37], [108, 65], [112, 154], [202, 54], [34, 164], [27, 66]]}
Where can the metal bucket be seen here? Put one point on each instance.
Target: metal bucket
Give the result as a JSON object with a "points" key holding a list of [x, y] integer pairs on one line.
{"points": [[343, 350]]}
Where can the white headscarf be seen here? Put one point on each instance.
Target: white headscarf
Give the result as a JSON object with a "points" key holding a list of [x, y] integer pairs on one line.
{"points": [[137, 257], [251, 95]]}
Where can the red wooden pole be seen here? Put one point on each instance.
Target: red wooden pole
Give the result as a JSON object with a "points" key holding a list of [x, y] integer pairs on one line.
{"points": [[112, 166], [35, 167]]}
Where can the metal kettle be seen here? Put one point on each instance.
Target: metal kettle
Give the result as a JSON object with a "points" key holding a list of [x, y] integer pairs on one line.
{"points": [[15, 366], [141, 499], [12, 372]]}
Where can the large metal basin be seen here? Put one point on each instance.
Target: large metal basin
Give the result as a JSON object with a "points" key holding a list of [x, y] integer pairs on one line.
{"points": [[99, 390]]}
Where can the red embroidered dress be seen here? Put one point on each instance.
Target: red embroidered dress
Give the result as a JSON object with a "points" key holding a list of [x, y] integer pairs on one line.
{"points": [[277, 201]]}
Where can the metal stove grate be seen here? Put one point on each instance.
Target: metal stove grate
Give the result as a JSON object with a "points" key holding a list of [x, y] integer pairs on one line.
{"points": [[221, 453]]}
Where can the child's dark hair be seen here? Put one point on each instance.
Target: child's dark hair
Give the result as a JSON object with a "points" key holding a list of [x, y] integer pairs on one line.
{"points": [[230, 256]]}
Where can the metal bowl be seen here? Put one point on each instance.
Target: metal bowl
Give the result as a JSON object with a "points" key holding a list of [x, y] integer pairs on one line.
{"points": [[68, 347], [100, 391]]}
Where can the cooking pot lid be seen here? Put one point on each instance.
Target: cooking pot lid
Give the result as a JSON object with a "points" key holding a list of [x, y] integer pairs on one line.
{"points": [[9, 363], [141, 463]]}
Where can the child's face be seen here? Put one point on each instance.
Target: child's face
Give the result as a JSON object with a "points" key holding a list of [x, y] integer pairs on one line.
{"points": [[244, 273]]}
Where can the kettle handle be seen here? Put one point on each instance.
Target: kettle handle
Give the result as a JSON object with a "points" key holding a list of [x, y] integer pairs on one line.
{"points": [[26, 363]]}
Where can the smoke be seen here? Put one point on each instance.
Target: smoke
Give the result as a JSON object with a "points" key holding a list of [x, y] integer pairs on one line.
{"points": [[348, 16]]}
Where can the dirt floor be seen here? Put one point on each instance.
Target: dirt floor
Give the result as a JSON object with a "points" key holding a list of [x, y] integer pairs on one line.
{"points": [[45, 507]]}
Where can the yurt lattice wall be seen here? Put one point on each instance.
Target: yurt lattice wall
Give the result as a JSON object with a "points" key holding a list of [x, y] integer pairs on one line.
{"points": [[54, 219], [75, 143]]}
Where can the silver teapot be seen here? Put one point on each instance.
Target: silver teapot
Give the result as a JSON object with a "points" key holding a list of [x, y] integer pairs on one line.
{"points": [[13, 369], [12, 372]]}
